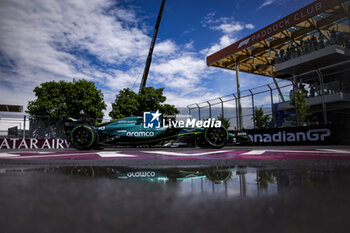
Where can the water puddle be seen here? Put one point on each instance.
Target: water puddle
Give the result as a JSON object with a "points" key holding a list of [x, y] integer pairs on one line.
{"points": [[187, 199], [218, 181]]}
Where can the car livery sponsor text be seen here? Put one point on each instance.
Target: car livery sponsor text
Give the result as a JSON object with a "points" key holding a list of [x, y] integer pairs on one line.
{"points": [[140, 134], [141, 174]]}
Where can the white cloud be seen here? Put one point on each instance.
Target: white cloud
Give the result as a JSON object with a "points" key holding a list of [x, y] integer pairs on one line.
{"points": [[249, 26], [266, 3], [227, 25], [49, 40], [165, 48], [229, 29], [183, 73], [120, 79], [223, 42]]}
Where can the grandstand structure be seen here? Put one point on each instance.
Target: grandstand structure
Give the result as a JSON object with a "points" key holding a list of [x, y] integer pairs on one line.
{"points": [[311, 48]]}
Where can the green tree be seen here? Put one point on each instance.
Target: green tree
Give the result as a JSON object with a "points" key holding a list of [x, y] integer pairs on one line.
{"points": [[128, 103], [58, 100], [150, 99], [125, 104], [261, 120], [265, 178], [302, 106], [224, 121]]}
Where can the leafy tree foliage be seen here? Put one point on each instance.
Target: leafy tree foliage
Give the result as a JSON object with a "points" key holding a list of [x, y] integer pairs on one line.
{"points": [[265, 178], [224, 121], [128, 103], [261, 120], [302, 106], [61, 99], [125, 104]]}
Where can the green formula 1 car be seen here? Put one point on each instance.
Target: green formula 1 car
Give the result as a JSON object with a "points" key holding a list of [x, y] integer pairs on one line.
{"points": [[131, 131]]}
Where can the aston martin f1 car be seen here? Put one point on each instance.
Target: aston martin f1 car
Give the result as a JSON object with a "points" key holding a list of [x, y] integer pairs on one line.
{"points": [[130, 131], [214, 174]]}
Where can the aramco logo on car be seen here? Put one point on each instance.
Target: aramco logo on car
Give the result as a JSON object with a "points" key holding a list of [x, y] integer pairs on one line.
{"points": [[153, 120]]}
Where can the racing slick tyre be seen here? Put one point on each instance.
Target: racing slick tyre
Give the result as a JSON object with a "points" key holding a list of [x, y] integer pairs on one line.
{"points": [[83, 137], [219, 176], [215, 137]]}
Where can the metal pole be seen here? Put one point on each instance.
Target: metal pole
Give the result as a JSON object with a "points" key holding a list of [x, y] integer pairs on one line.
{"points": [[222, 107], [272, 107], [244, 184], [324, 108], [278, 89], [295, 98], [239, 97], [257, 182], [189, 111], [202, 186], [240, 184], [253, 107], [209, 109], [199, 112], [24, 126], [236, 111]]}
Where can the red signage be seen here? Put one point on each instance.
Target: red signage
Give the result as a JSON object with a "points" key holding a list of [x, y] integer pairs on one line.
{"points": [[307, 12], [33, 143]]}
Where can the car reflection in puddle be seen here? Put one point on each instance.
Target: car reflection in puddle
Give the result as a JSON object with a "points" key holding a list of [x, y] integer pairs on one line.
{"points": [[225, 181], [207, 180]]}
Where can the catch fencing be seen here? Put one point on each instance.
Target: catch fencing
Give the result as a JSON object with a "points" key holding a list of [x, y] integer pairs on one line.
{"points": [[264, 97], [316, 84]]}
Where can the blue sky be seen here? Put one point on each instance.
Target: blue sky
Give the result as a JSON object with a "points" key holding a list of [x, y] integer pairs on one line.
{"points": [[107, 41]]}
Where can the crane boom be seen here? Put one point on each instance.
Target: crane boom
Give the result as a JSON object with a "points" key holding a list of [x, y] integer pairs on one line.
{"points": [[149, 57]]}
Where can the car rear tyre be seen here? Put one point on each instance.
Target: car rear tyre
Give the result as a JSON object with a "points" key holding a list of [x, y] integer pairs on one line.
{"points": [[215, 137], [83, 171], [83, 137]]}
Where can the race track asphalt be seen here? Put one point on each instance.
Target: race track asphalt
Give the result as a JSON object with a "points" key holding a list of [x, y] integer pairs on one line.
{"points": [[274, 190]]}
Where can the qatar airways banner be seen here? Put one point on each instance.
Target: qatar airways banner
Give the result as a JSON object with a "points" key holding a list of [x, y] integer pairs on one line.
{"points": [[33, 143], [300, 135]]}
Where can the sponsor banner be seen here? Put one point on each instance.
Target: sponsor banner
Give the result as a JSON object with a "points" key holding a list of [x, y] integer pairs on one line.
{"points": [[33, 143], [299, 135]]}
